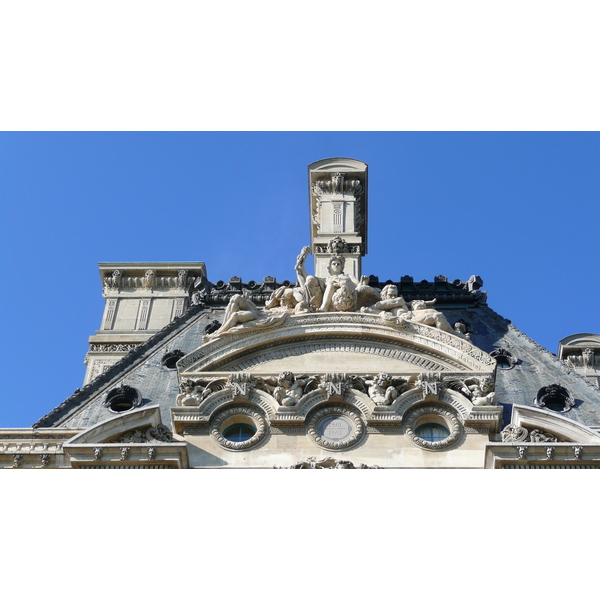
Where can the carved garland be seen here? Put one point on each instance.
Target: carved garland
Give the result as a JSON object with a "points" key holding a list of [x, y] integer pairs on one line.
{"points": [[353, 415], [449, 417], [216, 427]]}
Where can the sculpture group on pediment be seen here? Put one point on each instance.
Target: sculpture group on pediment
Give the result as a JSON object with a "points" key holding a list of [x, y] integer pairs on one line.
{"points": [[339, 292], [390, 305], [243, 313], [394, 307]]}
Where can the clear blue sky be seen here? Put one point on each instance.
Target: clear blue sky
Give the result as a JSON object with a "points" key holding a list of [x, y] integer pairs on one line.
{"points": [[519, 209]]}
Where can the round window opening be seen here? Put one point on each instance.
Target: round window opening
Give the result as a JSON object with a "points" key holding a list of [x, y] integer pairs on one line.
{"points": [[432, 432], [503, 362], [239, 427], [240, 432], [504, 359], [433, 426], [170, 359], [122, 399]]}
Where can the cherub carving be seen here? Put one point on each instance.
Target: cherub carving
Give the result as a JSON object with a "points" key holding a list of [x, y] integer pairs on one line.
{"points": [[478, 390], [384, 389], [286, 388], [193, 392]]}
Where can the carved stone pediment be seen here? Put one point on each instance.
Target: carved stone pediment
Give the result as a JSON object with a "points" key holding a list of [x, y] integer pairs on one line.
{"points": [[328, 341]]}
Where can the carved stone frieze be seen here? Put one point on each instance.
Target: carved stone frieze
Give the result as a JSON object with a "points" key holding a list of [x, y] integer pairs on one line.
{"points": [[240, 385], [159, 433], [98, 453], [117, 281], [151, 453], [327, 463], [288, 430], [45, 460], [384, 389], [514, 433], [586, 359], [196, 430], [109, 347], [389, 429], [17, 461], [194, 391], [125, 452], [288, 388]]}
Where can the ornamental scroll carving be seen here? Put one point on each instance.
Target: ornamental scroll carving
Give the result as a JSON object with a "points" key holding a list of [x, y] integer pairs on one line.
{"points": [[515, 433], [159, 433]]}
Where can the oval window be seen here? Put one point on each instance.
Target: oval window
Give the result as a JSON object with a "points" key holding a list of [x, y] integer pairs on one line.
{"points": [[432, 432], [239, 432]]}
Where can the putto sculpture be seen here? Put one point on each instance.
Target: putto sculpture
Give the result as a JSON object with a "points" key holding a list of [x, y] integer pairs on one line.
{"points": [[384, 389]]}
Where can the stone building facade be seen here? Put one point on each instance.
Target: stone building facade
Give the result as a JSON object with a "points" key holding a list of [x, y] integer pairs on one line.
{"points": [[336, 370]]}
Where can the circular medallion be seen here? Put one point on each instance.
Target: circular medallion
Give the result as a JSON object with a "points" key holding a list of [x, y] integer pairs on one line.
{"points": [[335, 427]]}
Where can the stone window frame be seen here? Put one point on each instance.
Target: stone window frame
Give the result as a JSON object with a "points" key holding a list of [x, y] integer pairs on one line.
{"points": [[507, 355], [231, 415], [436, 414], [134, 393], [569, 401]]}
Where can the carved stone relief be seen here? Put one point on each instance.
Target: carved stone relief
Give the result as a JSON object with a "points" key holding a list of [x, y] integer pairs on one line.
{"points": [[159, 433], [515, 433], [479, 390], [384, 389], [327, 463]]}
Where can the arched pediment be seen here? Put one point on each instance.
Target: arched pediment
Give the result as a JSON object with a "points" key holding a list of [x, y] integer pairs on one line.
{"points": [[112, 427], [340, 342], [555, 424]]}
